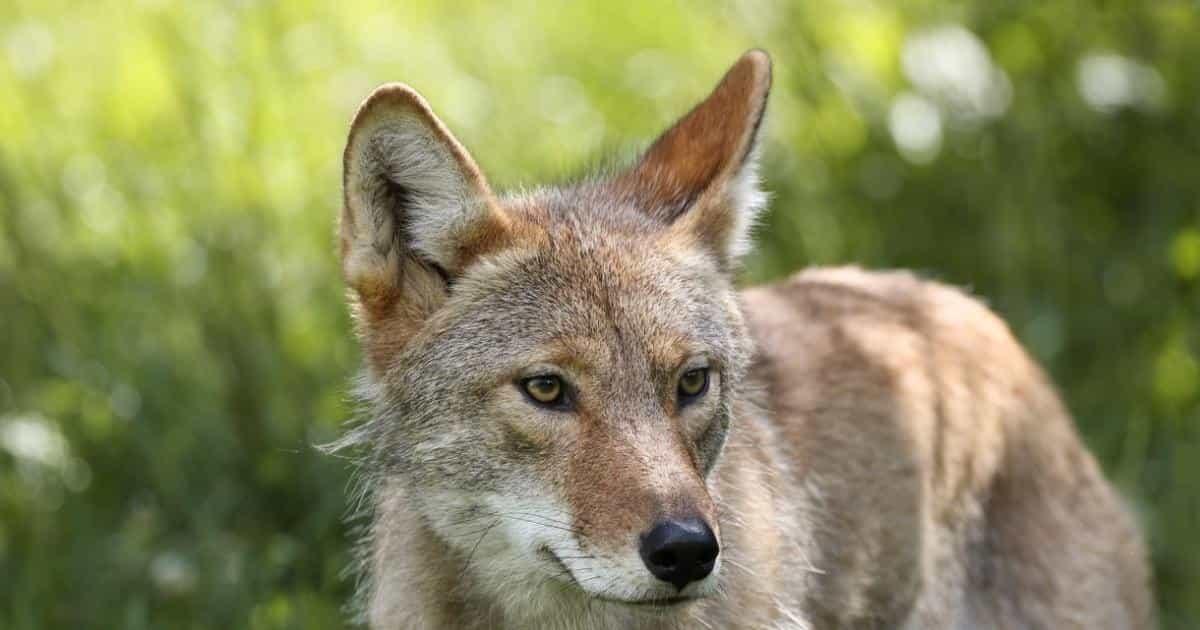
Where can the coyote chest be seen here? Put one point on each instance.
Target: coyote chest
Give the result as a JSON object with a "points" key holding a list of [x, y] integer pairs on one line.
{"points": [[573, 419]]}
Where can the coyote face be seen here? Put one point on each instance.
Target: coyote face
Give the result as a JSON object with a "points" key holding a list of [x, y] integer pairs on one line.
{"points": [[563, 413], [552, 376]]}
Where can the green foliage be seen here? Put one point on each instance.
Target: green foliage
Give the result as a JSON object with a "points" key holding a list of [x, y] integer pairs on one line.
{"points": [[173, 337]]}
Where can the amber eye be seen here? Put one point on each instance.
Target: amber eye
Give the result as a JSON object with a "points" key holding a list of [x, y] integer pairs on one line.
{"points": [[693, 383], [547, 390]]}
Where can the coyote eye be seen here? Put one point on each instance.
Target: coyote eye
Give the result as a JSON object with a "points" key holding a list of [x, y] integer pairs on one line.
{"points": [[693, 384], [545, 390]]}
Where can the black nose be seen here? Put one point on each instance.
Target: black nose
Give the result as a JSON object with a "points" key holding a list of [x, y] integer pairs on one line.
{"points": [[680, 552]]}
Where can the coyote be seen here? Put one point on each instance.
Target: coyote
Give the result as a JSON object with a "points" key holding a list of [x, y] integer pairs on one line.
{"points": [[573, 419]]}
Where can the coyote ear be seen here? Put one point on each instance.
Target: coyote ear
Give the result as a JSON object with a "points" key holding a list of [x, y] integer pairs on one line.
{"points": [[416, 207], [701, 174]]}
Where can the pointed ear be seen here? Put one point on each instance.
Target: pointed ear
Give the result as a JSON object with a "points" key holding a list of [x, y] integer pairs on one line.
{"points": [[416, 208], [700, 176]]}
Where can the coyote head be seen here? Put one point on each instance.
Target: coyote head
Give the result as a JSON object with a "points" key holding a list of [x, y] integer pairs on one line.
{"points": [[550, 376]]}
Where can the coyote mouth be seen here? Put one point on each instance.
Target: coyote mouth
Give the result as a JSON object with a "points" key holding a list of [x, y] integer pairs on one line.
{"points": [[657, 603], [662, 602], [564, 570], [646, 604]]}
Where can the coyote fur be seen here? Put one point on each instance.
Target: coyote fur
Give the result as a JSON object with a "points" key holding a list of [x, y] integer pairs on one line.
{"points": [[573, 419]]}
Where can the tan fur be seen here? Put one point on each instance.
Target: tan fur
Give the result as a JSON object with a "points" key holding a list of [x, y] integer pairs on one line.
{"points": [[874, 450]]}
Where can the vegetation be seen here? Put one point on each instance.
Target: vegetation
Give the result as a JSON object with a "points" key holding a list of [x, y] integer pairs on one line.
{"points": [[173, 337]]}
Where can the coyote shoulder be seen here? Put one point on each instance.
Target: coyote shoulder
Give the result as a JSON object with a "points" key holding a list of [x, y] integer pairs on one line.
{"points": [[574, 420]]}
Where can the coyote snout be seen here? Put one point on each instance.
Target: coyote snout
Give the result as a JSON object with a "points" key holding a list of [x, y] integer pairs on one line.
{"points": [[640, 501], [673, 560]]}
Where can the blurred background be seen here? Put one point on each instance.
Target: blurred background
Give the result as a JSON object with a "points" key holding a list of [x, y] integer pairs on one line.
{"points": [[173, 336]]}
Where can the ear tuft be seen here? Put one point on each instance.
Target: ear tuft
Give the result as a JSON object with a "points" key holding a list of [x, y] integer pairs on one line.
{"points": [[411, 193]]}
